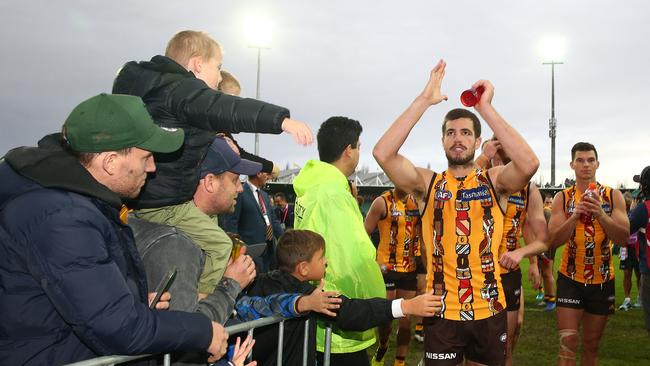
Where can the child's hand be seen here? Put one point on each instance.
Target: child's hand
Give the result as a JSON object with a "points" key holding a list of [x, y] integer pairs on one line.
{"points": [[320, 301], [423, 305], [239, 355]]}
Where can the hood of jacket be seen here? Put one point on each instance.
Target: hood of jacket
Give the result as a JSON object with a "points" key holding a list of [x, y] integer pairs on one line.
{"points": [[316, 173], [51, 166], [139, 78]]}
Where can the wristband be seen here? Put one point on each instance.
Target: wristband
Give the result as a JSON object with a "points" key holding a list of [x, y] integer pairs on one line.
{"points": [[396, 308]]}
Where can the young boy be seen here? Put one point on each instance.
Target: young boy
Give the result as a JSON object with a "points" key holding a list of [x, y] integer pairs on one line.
{"points": [[301, 259], [180, 92]]}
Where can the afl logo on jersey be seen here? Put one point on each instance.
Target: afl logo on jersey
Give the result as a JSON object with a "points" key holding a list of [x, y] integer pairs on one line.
{"points": [[443, 195]]}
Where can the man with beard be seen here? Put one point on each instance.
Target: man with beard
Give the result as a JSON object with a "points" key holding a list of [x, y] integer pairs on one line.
{"points": [[586, 219], [462, 222]]}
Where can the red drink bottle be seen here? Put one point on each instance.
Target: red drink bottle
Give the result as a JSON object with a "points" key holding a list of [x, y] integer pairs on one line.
{"points": [[470, 97]]}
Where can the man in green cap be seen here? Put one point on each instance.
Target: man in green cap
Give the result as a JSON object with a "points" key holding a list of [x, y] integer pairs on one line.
{"points": [[73, 286]]}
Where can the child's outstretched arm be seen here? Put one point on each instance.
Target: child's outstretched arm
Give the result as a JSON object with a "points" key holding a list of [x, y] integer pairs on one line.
{"points": [[362, 314]]}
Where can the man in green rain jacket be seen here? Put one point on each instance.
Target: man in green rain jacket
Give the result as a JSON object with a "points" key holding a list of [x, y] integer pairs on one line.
{"points": [[326, 206]]}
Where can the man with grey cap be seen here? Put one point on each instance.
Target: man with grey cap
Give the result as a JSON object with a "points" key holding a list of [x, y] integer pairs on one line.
{"points": [[640, 223], [72, 285]]}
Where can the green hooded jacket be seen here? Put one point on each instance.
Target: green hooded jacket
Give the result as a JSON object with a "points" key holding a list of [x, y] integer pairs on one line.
{"points": [[325, 205]]}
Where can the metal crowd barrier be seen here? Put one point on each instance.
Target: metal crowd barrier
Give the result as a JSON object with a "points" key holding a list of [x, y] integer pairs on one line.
{"points": [[233, 329]]}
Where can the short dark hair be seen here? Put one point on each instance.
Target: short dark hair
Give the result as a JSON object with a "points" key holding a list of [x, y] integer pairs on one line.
{"points": [[295, 246], [281, 195], [334, 135], [583, 146], [457, 113]]}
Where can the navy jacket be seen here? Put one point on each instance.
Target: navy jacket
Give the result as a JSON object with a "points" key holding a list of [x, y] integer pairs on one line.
{"points": [[247, 220], [175, 98], [72, 285]]}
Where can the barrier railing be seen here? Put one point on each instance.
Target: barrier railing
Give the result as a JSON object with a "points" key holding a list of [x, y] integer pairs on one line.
{"points": [[233, 329]]}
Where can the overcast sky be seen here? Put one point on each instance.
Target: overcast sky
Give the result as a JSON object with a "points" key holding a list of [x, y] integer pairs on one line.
{"points": [[361, 59]]}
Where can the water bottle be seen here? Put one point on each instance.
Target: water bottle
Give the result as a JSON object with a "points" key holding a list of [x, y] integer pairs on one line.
{"points": [[470, 97], [589, 192]]}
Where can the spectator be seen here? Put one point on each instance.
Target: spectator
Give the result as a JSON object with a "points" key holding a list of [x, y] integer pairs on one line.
{"points": [[284, 211], [73, 285], [163, 247], [629, 263], [254, 220], [301, 259], [179, 90], [639, 223]]}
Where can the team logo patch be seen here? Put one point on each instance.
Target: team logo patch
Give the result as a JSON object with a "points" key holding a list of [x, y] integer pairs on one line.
{"points": [[478, 193], [517, 201], [443, 195], [503, 337]]}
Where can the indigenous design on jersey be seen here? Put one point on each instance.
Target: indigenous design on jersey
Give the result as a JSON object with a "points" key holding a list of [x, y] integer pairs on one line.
{"points": [[462, 216], [399, 234], [513, 223], [587, 257]]}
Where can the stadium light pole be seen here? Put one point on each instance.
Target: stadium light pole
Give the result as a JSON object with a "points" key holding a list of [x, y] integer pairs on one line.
{"points": [[553, 51], [259, 33]]}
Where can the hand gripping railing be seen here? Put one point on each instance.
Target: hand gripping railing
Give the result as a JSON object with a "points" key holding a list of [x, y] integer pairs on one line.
{"points": [[233, 329]]}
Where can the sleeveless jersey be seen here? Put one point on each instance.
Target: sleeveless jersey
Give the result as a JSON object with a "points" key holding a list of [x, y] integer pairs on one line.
{"points": [[398, 234], [462, 226], [587, 257], [513, 223]]}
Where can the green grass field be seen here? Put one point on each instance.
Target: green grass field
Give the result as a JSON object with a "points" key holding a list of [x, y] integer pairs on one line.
{"points": [[625, 341]]}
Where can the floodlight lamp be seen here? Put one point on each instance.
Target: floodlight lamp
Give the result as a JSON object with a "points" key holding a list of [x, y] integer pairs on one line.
{"points": [[552, 48], [258, 31]]}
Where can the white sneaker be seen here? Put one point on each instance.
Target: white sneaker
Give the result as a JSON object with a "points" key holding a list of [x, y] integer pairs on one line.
{"points": [[419, 336], [638, 304], [625, 305]]}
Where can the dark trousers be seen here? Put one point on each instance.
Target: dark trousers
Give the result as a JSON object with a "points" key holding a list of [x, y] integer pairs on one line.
{"points": [[645, 299], [359, 358]]}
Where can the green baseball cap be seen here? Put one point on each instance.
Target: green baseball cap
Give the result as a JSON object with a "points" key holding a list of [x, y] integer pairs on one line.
{"points": [[108, 122]]}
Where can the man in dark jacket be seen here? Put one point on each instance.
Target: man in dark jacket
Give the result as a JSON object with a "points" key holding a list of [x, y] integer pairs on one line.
{"points": [[179, 90], [72, 285], [640, 224]]}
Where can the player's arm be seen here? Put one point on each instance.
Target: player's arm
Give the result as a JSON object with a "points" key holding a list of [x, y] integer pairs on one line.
{"points": [[524, 163], [399, 169], [535, 232], [489, 148], [376, 213], [561, 227], [616, 225]]}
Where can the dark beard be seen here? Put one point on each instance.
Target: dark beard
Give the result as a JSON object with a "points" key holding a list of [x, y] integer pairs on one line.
{"points": [[468, 160]]}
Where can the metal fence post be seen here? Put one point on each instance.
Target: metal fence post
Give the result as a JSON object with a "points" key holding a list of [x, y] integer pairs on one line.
{"points": [[280, 341], [328, 345], [249, 358], [305, 345]]}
